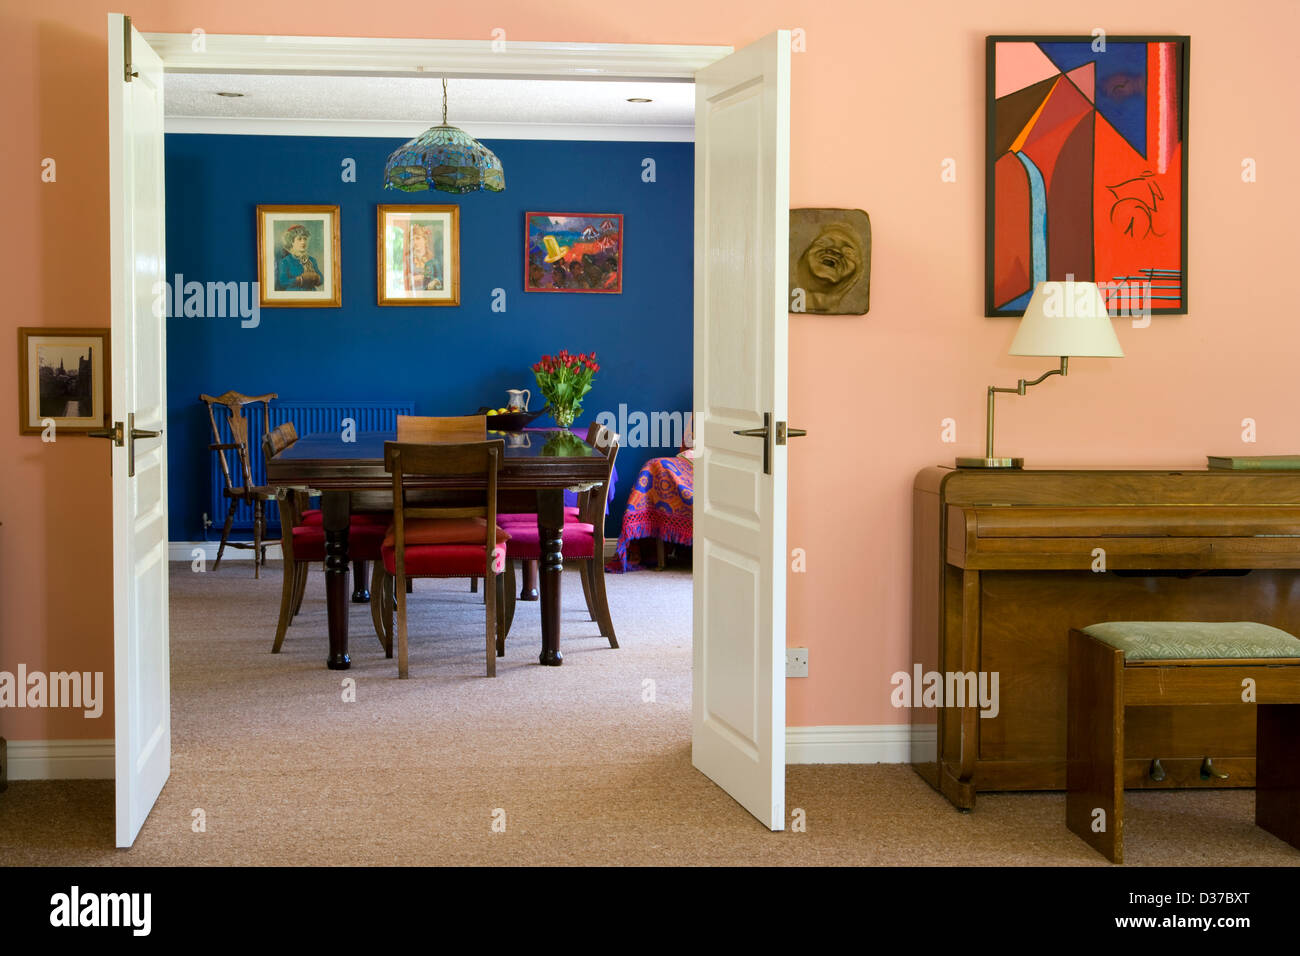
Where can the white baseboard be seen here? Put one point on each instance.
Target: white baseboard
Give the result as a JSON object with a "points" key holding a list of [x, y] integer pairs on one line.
{"points": [[883, 743], [879, 743], [184, 551], [61, 759]]}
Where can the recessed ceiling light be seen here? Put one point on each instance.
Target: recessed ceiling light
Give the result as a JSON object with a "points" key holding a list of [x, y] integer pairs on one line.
{"points": [[225, 93], [639, 99]]}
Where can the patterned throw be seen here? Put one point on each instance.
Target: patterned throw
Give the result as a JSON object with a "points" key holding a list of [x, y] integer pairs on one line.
{"points": [[658, 507]]}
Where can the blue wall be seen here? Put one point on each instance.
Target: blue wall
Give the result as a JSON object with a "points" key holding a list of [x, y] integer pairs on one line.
{"points": [[447, 360]]}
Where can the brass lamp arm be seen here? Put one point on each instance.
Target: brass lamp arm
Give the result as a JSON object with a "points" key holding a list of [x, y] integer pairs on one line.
{"points": [[1018, 390]]}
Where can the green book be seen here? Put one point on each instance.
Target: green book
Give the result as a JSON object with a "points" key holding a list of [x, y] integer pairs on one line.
{"points": [[1255, 462]]}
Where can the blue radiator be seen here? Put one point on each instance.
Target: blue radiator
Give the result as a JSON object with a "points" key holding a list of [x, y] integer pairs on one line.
{"points": [[307, 417]]}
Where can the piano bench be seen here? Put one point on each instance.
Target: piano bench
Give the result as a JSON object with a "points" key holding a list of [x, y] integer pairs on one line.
{"points": [[1177, 663]]}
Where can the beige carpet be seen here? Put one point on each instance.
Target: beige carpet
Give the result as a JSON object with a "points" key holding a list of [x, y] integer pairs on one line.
{"points": [[584, 770]]}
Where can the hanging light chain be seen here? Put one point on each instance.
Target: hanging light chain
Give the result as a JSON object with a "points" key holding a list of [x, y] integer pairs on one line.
{"points": [[444, 101]]}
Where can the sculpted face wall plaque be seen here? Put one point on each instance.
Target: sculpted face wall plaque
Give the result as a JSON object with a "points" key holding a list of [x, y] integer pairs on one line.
{"points": [[830, 261]]}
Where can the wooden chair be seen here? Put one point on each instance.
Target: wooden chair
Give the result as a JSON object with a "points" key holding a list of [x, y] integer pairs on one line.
{"points": [[445, 541], [583, 538], [302, 541], [430, 428], [434, 428], [244, 490]]}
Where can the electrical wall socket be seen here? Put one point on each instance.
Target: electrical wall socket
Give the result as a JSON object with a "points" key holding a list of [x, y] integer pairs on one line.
{"points": [[796, 662]]}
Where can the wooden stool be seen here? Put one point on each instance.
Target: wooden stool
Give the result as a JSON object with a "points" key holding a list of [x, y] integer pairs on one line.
{"points": [[1175, 663]]}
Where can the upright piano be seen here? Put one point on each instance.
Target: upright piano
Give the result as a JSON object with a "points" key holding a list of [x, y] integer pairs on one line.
{"points": [[1005, 562]]}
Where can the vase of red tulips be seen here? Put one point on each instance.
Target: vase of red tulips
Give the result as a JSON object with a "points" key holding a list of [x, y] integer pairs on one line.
{"points": [[563, 380]]}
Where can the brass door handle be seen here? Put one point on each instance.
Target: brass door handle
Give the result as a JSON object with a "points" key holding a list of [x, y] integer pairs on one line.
{"points": [[784, 431], [135, 433], [114, 434], [764, 433]]}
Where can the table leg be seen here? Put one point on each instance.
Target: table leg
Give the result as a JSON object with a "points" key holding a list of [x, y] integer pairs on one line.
{"points": [[335, 512], [360, 579], [528, 592], [550, 529]]}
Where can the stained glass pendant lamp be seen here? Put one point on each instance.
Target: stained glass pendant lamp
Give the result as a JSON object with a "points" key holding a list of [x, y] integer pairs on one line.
{"points": [[444, 158]]}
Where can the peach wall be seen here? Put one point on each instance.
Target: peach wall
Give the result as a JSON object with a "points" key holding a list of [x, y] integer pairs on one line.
{"points": [[884, 93]]}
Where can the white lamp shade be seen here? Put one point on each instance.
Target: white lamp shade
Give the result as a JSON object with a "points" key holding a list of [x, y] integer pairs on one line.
{"points": [[1066, 319]]}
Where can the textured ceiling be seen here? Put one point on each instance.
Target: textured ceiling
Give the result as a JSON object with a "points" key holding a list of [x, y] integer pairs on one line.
{"points": [[418, 99]]}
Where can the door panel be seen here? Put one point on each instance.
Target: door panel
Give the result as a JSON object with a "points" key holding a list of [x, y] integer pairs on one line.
{"points": [[141, 648], [741, 241]]}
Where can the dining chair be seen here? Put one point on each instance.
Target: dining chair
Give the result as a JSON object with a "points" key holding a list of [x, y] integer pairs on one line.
{"points": [[433, 428], [302, 541], [244, 490], [443, 428], [583, 539], [445, 541]]}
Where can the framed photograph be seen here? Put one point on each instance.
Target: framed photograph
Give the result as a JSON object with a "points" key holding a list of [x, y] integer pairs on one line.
{"points": [[63, 376], [1086, 169], [298, 256], [573, 252], [419, 255]]}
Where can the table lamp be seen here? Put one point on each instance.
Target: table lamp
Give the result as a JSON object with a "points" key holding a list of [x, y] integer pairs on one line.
{"points": [[1062, 319]]}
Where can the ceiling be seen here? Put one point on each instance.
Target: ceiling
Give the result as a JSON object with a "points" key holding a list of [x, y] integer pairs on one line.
{"points": [[506, 108]]}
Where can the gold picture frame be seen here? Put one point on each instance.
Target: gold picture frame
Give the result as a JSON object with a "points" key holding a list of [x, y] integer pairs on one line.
{"points": [[48, 388], [418, 255], [298, 257]]}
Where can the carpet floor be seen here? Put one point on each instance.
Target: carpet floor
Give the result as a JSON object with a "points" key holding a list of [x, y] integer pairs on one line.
{"points": [[583, 764]]}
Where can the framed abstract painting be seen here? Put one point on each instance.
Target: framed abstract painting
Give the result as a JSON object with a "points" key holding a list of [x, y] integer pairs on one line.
{"points": [[573, 252], [1086, 170]]}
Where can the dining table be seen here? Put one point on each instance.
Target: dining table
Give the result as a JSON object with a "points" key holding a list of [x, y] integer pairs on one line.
{"points": [[347, 471]]}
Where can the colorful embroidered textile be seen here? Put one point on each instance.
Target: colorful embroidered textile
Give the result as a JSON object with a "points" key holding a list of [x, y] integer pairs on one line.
{"points": [[659, 506]]}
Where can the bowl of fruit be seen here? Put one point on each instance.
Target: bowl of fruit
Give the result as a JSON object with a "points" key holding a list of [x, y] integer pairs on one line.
{"points": [[504, 420]]}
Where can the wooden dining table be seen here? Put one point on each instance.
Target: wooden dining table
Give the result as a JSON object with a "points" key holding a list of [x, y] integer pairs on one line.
{"points": [[348, 473]]}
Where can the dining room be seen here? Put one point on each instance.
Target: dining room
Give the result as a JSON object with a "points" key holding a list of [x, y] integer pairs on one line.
{"points": [[529, 314]]}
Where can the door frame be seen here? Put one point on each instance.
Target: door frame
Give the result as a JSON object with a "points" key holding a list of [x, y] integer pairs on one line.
{"points": [[363, 56], [368, 56]]}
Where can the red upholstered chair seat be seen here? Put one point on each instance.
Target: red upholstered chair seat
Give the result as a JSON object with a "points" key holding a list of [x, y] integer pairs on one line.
{"points": [[579, 541], [441, 547], [570, 514], [313, 517], [364, 542]]}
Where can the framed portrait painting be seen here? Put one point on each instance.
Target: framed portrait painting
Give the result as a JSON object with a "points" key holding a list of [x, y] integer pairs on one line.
{"points": [[1086, 169], [63, 378], [419, 255], [298, 256], [573, 252]]}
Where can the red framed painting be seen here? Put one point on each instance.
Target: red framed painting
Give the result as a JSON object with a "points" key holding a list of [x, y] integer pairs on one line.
{"points": [[573, 252], [1086, 169]]}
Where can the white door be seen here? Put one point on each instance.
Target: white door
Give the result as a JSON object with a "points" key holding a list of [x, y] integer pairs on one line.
{"points": [[742, 215], [141, 655]]}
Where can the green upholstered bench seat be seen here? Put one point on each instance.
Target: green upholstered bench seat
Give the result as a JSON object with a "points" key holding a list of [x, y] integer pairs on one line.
{"points": [[1189, 640]]}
